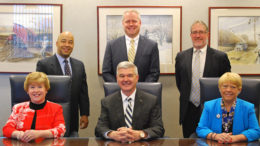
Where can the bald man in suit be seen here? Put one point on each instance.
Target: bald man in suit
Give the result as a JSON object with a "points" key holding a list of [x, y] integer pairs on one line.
{"points": [[55, 65]]}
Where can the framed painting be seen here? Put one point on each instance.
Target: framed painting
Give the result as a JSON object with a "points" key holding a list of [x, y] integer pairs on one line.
{"points": [[236, 31], [27, 34], [159, 23]]}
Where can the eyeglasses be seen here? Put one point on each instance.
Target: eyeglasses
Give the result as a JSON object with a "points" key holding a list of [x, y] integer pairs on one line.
{"points": [[198, 32]]}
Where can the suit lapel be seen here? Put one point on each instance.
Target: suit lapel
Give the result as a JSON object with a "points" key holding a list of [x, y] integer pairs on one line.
{"points": [[118, 106], [123, 48], [140, 49], [208, 62], [73, 68], [189, 64], [218, 119], [237, 123], [138, 108], [55, 65]]}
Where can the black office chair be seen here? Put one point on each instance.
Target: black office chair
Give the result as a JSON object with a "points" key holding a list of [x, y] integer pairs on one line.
{"points": [[58, 93], [250, 91], [154, 88]]}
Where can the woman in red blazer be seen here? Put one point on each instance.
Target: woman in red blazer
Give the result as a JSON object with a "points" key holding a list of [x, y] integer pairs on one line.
{"points": [[37, 118]]}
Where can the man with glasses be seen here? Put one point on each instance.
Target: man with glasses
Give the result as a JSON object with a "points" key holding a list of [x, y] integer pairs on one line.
{"points": [[191, 64]]}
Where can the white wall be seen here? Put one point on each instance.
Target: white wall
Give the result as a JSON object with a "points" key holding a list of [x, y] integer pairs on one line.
{"points": [[80, 17]]}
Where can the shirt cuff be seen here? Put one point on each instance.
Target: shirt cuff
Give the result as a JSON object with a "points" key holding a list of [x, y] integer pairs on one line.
{"points": [[106, 133]]}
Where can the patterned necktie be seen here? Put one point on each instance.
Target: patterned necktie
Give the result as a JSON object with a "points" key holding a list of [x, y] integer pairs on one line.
{"points": [[67, 68], [131, 52], [128, 113], [195, 88]]}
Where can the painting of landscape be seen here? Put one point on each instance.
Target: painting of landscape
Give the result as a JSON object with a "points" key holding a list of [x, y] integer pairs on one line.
{"points": [[239, 37], [26, 35]]}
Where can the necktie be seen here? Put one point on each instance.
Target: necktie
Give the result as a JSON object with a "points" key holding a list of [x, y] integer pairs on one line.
{"points": [[67, 68], [128, 113], [131, 52], [195, 88]]}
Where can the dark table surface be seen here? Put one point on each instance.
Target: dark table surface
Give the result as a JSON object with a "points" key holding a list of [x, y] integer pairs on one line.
{"points": [[100, 142]]}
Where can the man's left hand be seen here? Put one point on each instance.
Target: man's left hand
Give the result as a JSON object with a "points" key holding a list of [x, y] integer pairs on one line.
{"points": [[83, 122], [135, 134]]}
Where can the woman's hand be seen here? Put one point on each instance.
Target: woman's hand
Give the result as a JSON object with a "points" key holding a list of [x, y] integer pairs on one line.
{"points": [[30, 135], [223, 138], [238, 138], [34, 134]]}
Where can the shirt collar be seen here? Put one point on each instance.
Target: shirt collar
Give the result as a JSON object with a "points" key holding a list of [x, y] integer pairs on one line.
{"points": [[124, 97], [203, 50], [129, 39], [61, 59]]}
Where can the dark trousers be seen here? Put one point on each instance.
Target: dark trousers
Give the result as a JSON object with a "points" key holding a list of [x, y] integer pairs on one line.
{"points": [[191, 120]]}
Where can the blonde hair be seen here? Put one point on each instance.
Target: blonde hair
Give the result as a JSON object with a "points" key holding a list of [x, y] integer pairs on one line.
{"points": [[131, 11], [234, 78], [36, 77]]}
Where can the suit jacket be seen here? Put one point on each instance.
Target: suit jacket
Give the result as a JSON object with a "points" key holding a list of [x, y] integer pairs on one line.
{"points": [[146, 59], [79, 88], [244, 120], [146, 116], [216, 64]]}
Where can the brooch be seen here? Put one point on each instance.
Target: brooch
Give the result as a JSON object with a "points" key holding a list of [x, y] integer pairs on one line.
{"points": [[218, 116]]}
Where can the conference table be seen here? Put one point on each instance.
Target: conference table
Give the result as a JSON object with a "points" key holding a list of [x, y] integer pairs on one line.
{"points": [[101, 142]]}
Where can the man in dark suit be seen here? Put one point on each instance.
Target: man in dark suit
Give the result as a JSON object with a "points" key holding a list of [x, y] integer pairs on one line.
{"points": [[145, 120], [56, 65], [145, 55], [212, 63]]}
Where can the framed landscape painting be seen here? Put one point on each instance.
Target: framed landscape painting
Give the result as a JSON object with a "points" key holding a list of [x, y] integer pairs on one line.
{"points": [[236, 31], [27, 34], [159, 23]]}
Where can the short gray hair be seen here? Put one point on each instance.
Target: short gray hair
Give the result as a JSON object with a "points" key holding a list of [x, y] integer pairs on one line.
{"points": [[126, 65], [131, 11], [200, 22]]}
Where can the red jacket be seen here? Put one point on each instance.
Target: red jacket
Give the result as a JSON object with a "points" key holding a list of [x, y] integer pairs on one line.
{"points": [[50, 117]]}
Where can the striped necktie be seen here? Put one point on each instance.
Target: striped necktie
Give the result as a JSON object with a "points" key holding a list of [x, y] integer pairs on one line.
{"points": [[131, 52], [195, 88], [128, 113]]}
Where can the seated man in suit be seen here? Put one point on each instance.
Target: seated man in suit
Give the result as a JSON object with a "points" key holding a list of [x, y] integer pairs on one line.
{"points": [[130, 114]]}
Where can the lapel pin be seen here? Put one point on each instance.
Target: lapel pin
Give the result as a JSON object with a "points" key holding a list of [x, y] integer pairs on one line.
{"points": [[218, 116]]}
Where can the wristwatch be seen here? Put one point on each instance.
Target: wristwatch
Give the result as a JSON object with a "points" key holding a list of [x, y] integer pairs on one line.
{"points": [[142, 134]]}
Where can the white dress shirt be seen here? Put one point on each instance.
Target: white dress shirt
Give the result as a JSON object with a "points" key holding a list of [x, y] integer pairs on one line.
{"points": [[125, 102], [128, 42], [203, 53]]}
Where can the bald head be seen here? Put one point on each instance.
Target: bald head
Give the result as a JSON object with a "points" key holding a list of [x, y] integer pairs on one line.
{"points": [[65, 44], [65, 33]]}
